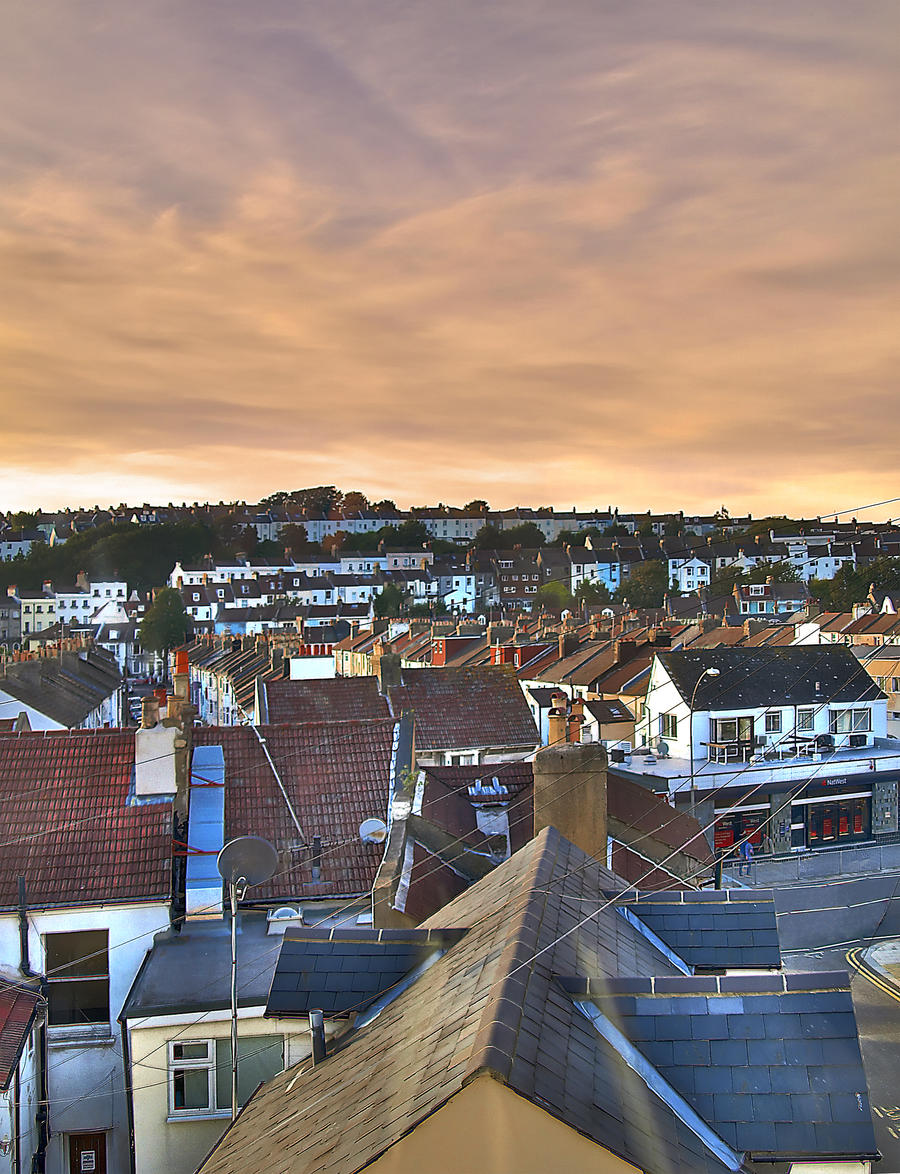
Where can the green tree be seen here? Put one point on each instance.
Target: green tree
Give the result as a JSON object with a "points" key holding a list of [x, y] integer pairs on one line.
{"points": [[478, 506], [646, 586], [390, 602], [293, 537], [528, 534], [488, 537], [587, 593], [165, 624], [554, 596]]}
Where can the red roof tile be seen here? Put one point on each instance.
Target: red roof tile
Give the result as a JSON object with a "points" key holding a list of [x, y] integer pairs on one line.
{"points": [[464, 708], [340, 699], [68, 827], [336, 774], [17, 1007]]}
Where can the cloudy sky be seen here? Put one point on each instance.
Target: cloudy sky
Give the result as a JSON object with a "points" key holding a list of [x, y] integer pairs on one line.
{"points": [[581, 252]]}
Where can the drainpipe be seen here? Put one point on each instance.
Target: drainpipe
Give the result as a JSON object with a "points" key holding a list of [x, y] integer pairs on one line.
{"points": [[129, 1092]]}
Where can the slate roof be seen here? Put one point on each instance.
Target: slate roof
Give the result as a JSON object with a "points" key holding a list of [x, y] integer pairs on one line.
{"points": [[343, 970], [70, 825], [340, 699], [66, 688], [190, 971], [712, 929], [462, 708], [336, 774], [491, 1006], [757, 677], [18, 1007], [772, 1062]]}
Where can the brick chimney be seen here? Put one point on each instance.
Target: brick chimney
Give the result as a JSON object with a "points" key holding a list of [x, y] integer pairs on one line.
{"points": [[386, 666], [575, 720], [570, 794], [624, 650], [568, 643], [557, 721]]}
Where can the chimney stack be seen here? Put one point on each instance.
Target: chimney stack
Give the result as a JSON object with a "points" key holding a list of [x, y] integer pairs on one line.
{"points": [[557, 727], [570, 794]]}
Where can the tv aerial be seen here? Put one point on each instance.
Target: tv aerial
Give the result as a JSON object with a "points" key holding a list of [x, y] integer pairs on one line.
{"points": [[245, 861]]}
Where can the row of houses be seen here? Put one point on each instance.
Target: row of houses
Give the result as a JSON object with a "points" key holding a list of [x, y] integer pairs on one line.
{"points": [[115, 939]]}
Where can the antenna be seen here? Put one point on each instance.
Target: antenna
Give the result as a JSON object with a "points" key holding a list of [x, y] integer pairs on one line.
{"points": [[373, 831], [247, 860]]}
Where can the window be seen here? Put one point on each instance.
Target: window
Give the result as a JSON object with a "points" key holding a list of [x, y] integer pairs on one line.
{"points": [[78, 977], [668, 725], [881, 682], [200, 1071], [895, 684], [805, 720], [850, 721], [757, 589], [773, 722]]}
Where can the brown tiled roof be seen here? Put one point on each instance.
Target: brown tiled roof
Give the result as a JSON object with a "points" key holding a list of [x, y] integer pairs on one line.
{"points": [[336, 775], [461, 708], [68, 825], [17, 1009], [339, 699], [489, 1006]]}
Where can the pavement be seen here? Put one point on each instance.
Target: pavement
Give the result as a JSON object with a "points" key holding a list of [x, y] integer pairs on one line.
{"points": [[884, 958]]}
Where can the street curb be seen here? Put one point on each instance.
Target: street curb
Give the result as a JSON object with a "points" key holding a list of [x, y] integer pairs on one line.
{"points": [[869, 956]]}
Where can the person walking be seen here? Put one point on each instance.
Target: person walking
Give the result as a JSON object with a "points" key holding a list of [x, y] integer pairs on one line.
{"points": [[746, 858]]}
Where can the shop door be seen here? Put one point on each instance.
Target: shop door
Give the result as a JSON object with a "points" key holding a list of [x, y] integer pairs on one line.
{"points": [[87, 1153]]}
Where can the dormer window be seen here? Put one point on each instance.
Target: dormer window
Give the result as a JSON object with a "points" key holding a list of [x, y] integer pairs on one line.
{"points": [[757, 589]]}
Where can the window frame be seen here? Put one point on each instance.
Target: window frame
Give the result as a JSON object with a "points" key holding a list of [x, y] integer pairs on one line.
{"points": [[772, 721], [804, 714], [210, 1064], [860, 720], [61, 984], [668, 725]]}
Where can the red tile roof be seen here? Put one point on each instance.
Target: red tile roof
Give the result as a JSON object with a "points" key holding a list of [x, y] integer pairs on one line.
{"points": [[68, 827], [17, 1008], [340, 699], [464, 708], [336, 774]]}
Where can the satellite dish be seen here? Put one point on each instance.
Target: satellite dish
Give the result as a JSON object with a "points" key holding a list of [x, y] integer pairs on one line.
{"points": [[373, 831], [250, 858], [662, 748]]}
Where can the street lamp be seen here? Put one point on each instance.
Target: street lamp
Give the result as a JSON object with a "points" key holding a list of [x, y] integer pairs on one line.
{"points": [[710, 672]]}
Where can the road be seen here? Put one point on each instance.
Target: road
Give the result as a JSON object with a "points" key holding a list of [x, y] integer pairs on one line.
{"points": [[826, 926]]}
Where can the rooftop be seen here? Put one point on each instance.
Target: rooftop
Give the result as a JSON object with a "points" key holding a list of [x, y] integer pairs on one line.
{"points": [[71, 825]]}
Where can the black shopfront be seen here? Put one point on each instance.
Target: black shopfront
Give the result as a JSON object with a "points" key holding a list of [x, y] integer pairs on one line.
{"points": [[818, 813]]}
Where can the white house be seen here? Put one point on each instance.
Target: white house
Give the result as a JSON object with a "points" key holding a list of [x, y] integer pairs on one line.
{"points": [[90, 831], [788, 742]]}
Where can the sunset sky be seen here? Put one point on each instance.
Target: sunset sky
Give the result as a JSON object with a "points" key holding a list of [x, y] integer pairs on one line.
{"points": [[571, 253]]}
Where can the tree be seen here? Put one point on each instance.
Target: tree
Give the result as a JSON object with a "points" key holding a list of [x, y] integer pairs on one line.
{"points": [[354, 502], [390, 601], [165, 624], [646, 586], [528, 534], [478, 506], [588, 592], [554, 596], [293, 536], [488, 537]]}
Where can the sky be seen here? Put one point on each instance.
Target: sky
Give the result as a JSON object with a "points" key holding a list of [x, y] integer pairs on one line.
{"points": [[583, 253]]}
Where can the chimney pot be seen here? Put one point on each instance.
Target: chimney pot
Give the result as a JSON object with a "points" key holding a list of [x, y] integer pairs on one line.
{"points": [[317, 1031]]}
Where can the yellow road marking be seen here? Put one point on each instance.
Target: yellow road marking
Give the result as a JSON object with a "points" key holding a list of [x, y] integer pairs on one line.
{"points": [[854, 957]]}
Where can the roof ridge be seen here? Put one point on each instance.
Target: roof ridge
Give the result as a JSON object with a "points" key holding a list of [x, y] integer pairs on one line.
{"points": [[495, 1041]]}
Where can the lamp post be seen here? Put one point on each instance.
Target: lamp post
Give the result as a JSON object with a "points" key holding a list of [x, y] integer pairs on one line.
{"points": [[710, 672]]}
